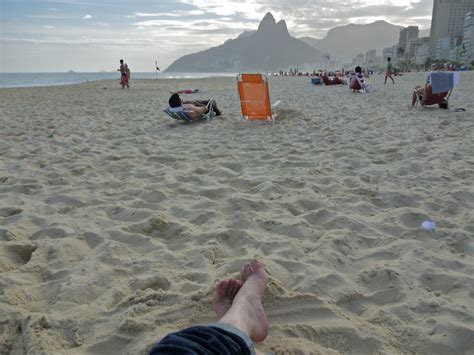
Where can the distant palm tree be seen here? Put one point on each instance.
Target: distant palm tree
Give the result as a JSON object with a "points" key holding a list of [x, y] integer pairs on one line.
{"points": [[400, 51]]}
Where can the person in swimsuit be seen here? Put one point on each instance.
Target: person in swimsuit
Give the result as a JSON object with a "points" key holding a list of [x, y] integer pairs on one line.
{"points": [[357, 82], [388, 71], [123, 73]]}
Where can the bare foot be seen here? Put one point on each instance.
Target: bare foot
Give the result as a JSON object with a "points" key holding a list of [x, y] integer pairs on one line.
{"points": [[246, 312], [224, 294]]}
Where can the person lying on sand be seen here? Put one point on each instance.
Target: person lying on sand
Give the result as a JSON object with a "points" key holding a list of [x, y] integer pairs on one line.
{"points": [[194, 109], [185, 91], [242, 319]]}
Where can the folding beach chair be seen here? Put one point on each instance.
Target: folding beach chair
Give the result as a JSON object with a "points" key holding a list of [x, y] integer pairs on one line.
{"points": [[255, 98], [438, 89], [182, 117]]}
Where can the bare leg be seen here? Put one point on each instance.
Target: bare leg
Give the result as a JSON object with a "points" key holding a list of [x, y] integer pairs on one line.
{"points": [[419, 91], [246, 312], [224, 294]]}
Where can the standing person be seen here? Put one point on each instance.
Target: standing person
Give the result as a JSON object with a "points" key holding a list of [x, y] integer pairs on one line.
{"points": [[388, 71], [127, 70], [123, 73]]}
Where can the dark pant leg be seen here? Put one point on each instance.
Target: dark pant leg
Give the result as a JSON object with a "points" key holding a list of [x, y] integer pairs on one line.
{"points": [[201, 340]]}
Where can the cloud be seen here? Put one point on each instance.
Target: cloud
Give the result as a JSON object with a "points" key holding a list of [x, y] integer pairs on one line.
{"points": [[186, 26], [168, 14], [214, 27], [249, 9], [50, 17]]}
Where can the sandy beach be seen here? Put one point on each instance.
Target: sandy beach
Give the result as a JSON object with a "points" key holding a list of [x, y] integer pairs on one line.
{"points": [[115, 221]]}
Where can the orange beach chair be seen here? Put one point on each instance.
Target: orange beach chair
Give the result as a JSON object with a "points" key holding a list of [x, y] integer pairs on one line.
{"points": [[255, 98]]}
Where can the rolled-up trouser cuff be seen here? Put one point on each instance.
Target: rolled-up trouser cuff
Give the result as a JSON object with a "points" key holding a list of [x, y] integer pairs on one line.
{"points": [[230, 328]]}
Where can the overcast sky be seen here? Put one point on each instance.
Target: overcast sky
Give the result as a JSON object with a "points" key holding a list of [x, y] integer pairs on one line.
{"points": [[90, 35]]}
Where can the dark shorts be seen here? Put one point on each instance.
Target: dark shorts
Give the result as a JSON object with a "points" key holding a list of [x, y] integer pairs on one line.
{"points": [[215, 338], [214, 106]]}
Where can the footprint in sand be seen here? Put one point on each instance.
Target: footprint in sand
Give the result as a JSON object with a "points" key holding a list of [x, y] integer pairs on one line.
{"points": [[52, 233], [9, 211], [154, 282], [6, 235], [13, 256]]}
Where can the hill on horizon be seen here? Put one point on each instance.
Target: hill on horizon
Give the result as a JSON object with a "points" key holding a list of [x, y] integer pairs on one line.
{"points": [[344, 42], [269, 49]]}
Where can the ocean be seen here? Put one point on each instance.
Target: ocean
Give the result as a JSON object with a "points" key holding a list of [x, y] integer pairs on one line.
{"points": [[12, 80]]}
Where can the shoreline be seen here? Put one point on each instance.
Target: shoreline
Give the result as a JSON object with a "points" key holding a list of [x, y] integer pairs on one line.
{"points": [[10, 80]]}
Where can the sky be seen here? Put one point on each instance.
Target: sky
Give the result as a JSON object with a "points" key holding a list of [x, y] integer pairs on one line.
{"points": [[92, 35]]}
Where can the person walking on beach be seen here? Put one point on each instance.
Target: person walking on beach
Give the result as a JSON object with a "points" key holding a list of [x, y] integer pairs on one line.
{"points": [[123, 74], [242, 321], [388, 71]]}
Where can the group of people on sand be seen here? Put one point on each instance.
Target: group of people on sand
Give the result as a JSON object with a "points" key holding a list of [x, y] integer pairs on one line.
{"points": [[124, 74], [196, 109]]}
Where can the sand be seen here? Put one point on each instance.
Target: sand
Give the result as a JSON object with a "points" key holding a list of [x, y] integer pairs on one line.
{"points": [[115, 222]]}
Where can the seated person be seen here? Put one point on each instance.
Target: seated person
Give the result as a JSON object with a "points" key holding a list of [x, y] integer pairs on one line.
{"points": [[326, 79], [337, 81], [432, 99], [357, 82], [193, 109]]}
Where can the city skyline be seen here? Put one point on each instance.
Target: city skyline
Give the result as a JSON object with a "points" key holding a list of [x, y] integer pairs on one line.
{"points": [[58, 35], [447, 21]]}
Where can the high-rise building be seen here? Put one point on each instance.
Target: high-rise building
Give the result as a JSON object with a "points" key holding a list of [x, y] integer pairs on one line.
{"points": [[387, 53], [370, 56], [408, 36], [443, 48], [448, 20], [467, 46], [358, 59], [421, 50]]}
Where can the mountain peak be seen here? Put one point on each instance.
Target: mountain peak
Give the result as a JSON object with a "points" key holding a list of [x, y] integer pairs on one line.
{"points": [[281, 26], [270, 48], [268, 25], [343, 42], [267, 22]]}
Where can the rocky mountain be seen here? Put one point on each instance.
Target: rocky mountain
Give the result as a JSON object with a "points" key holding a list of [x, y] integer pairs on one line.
{"points": [[344, 42], [270, 48]]}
